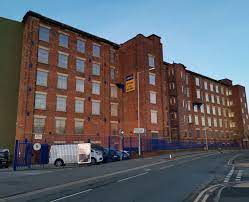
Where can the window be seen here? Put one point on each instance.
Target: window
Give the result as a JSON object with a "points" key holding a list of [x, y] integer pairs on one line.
{"points": [[62, 60], [217, 89], [114, 128], [63, 40], [114, 109], [60, 125], [39, 124], [78, 126], [202, 108], [197, 81], [79, 105], [214, 110], [220, 123], [209, 122], [207, 97], [152, 97], [151, 59], [80, 46], [153, 116], [195, 108], [40, 100], [96, 107], [95, 88], [208, 109], [198, 94], [203, 123], [212, 99], [112, 73], [41, 78], [171, 86], [222, 90], [62, 81], [188, 95], [43, 55], [218, 100], [61, 103], [215, 122], [112, 56], [205, 85], [114, 91], [189, 106], [187, 80], [189, 119], [80, 65], [152, 79], [80, 85], [44, 34], [96, 69], [172, 100], [223, 101], [219, 111], [96, 50], [196, 120], [211, 87]]}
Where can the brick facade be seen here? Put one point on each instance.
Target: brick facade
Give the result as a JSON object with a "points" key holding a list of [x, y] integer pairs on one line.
{"points": [[173, 93]]}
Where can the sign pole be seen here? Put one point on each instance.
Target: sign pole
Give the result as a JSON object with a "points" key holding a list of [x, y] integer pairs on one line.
{"points": [[138, 115]]}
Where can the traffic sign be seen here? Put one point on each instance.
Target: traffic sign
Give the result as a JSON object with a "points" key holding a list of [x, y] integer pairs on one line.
{"points": [[139, 130]]}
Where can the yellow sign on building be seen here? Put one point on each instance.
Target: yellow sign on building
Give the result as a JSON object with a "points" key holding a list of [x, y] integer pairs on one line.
{"points": [[130, 85]]}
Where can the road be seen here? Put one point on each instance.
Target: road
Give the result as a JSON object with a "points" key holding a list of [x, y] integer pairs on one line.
{"points": [[154, 179]]}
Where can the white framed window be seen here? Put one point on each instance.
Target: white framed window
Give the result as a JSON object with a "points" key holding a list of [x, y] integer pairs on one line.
{"points": [[63, 40], [218, 100], [189, 108], [79, 105], [62, 81], [187, 90], [197, 81], [78, 126], [208, 109], [209, 122], [40, 100], [96, 50], [195, 108], [202, 108], [43, 55], [152, 79], [61, 103], [62, 60], [171, 86], [203, 123], [219, 111], [114, 109], [42, 77], [187, 80], [198, 94], [205, 85], [44, 33], [96, 69], [39, 124], [212, 99], [214, 110], [217, 89], [95, 107], [189, 118], [215, 122], [80, 86], [153, 116], [152, 97], [211, 87], [223, 101], [113, 56], [222, 90], [60, 125], [114, 91], [151, 60], [221, 123], [207, 97], [196, 120], [96, 87], [81, 46], [80, 65], [172, 100]]}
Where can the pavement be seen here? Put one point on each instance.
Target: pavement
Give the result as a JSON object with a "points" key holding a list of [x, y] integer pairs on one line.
{"points": [[152, 179]]}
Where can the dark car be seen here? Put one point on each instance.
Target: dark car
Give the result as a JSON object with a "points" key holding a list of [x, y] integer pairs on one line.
{"points": [[4, 158], [110, 155]]}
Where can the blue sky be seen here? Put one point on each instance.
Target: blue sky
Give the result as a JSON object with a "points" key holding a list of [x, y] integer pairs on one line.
{"points": [[210, 37]]}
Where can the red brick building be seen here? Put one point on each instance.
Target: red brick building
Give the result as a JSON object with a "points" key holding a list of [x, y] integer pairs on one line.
{"points": [[72, 85]]}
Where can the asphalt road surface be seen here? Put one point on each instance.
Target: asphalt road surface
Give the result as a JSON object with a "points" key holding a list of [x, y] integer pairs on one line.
{"points": [[156, 179]]}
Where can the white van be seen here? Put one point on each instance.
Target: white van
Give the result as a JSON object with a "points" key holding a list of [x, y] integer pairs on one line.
{"points": [[61, 155]]}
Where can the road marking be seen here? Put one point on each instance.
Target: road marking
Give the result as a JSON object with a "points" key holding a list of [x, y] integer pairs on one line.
{"points": [[169, 166], [231, 161], [148, 169], [81, 192], [204, 191], [217, 198], [205, 198], [61, 186], [239, 175], [128, 178], [229, 175]]}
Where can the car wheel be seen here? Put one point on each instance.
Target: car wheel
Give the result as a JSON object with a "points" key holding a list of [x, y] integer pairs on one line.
{"points": [[59, 163], [93, 161]]}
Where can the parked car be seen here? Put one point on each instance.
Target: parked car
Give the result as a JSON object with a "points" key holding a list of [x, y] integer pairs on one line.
{"points": [[61, 155], [4, 158], [123, 155], [110, 155]]}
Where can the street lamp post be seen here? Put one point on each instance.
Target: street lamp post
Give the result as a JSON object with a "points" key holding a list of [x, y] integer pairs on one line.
{"points": [[138, 108]]}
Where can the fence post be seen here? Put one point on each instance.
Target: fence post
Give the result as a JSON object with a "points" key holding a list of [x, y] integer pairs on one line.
{"points": [[15, 155], [109, 142]]}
